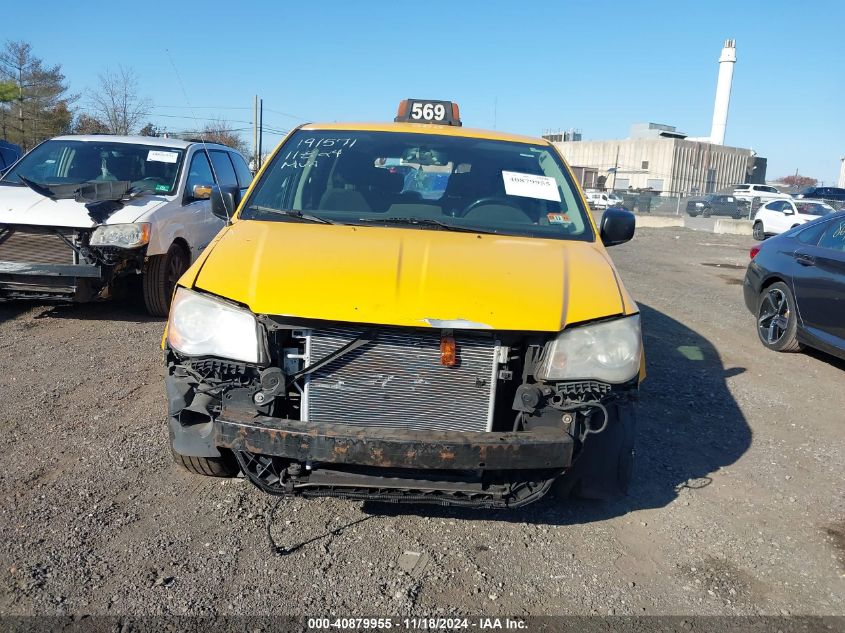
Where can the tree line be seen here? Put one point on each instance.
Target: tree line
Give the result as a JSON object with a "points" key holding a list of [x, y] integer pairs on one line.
{"points": [[36, 103]]}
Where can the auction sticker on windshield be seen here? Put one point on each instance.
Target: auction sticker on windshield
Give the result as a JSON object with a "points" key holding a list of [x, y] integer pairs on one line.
{"points": [[162, 157], [531, 186]]}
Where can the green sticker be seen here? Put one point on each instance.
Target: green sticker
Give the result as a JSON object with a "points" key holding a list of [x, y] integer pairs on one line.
{"points": [[162, 188]]}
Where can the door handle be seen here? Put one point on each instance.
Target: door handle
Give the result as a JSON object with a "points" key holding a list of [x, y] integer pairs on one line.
{"points": [[805, 260]]}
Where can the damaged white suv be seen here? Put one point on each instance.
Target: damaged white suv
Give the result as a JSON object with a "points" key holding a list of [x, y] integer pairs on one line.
{"points": [[81, 215]]}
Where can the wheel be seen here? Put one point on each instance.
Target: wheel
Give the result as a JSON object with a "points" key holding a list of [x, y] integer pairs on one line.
{"points": [[705, 212], [758, 232], [226, 466], [738, 216], [160, 277], [777, 318]]}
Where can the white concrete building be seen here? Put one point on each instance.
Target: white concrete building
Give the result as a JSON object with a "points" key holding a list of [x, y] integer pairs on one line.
{"points": [[842, 173], [660, 158]]}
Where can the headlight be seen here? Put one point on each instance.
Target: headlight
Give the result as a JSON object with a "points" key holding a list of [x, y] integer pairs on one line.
{"points": [[121, 235], [202, 326], [608, 351], [699, 204]]}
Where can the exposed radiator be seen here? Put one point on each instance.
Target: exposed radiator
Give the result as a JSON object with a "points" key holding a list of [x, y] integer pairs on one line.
{"points": [[397, 381], [35, 245]]}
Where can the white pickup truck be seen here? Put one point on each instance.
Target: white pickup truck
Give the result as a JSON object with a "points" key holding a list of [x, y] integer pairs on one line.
{"points": [[80, 215]]}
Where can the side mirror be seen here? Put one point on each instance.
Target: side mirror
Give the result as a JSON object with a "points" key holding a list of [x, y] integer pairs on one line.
{"points": [[788, 211], [616, 227], [224, 201], [201, 192]]}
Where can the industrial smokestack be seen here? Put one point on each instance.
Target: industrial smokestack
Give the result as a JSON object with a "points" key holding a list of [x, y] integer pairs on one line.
{"points": [[723, 92]]}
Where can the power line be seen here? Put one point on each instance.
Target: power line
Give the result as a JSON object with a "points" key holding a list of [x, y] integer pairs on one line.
{"points": [[292, 116], [193, 118], [173, 107]]}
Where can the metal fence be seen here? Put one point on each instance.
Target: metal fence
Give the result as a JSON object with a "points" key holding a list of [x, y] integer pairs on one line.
{"points": [[675, 203]]}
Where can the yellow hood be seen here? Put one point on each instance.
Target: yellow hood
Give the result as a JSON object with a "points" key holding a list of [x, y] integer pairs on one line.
{"points": [[411, 277]]}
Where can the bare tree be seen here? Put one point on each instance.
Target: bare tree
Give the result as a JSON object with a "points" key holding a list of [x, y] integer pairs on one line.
{"points": [[87, 124], [116, 101], [221, 132]]}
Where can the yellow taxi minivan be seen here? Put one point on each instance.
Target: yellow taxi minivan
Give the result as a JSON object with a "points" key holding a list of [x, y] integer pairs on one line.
{"points": [[410, 311]]}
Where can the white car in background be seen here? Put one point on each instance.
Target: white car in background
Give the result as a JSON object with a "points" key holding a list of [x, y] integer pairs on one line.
{"points": [[603, 200], [764, 192], [778, 216], [80, 216]]}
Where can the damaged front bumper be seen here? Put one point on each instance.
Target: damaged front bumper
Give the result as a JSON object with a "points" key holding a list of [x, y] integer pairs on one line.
{"points": [[57, 264], [49, 282], [294, 457], [346, 444]]}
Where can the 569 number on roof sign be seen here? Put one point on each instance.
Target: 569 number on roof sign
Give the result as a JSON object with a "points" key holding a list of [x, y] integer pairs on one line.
{"points": [[424, 111], [428, 111]]}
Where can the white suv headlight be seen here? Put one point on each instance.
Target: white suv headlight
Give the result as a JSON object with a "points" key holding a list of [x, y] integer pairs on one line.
{"points": [[121, 235], [609, 351], [200, 325]]}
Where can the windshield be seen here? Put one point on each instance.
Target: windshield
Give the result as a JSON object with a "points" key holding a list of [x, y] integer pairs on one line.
{"points": [[56, 162], [422, 180], [814, 208]]}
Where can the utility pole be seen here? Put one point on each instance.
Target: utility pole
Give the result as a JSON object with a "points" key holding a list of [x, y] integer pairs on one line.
{"points": [[255, 133], [260, 131]]}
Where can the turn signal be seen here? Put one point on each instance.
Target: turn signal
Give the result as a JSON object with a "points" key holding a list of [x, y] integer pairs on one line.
{"points": [[448, 351]]}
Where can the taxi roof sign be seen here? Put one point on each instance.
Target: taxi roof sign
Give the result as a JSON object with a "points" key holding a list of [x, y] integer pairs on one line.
{"points": [[428, 111]]}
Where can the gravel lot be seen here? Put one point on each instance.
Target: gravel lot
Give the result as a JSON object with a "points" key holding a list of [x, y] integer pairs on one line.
{"points": [[737, 506]]}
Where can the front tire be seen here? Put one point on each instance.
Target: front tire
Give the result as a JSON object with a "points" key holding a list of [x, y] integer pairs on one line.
{"points": [[758, 233], [705, 213], [225, 466], [160, 277], [777, 318]]}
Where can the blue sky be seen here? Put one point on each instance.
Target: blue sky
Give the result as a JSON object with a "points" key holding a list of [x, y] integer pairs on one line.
{"points": [[519, 66]]}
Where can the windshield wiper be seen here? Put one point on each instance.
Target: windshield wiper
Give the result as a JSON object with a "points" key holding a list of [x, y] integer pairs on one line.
{"points": [[427, 222], [296, 215], [38, 188]]}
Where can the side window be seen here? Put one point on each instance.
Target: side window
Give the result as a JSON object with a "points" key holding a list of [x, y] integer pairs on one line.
{"points": [[834, 236], [199, 173], [813, 233], [223, 168], [776, 206], [244, 175]]}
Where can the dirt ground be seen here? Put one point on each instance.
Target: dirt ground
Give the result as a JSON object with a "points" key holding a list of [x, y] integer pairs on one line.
{"points": [[737, 506]]}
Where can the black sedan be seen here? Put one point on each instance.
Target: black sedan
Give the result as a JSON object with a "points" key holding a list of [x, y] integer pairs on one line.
{"points": [[795, 286], [717, 204]]}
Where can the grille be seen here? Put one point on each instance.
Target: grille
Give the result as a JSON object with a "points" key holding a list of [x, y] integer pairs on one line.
{"points": [[35, 245], [397, 381]]}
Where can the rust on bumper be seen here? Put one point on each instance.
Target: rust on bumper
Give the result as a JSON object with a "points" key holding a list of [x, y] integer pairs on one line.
{"points": [[339, 443]]}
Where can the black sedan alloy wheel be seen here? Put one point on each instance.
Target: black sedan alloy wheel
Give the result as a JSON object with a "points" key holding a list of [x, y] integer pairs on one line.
{"points": [[776, 318]]}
